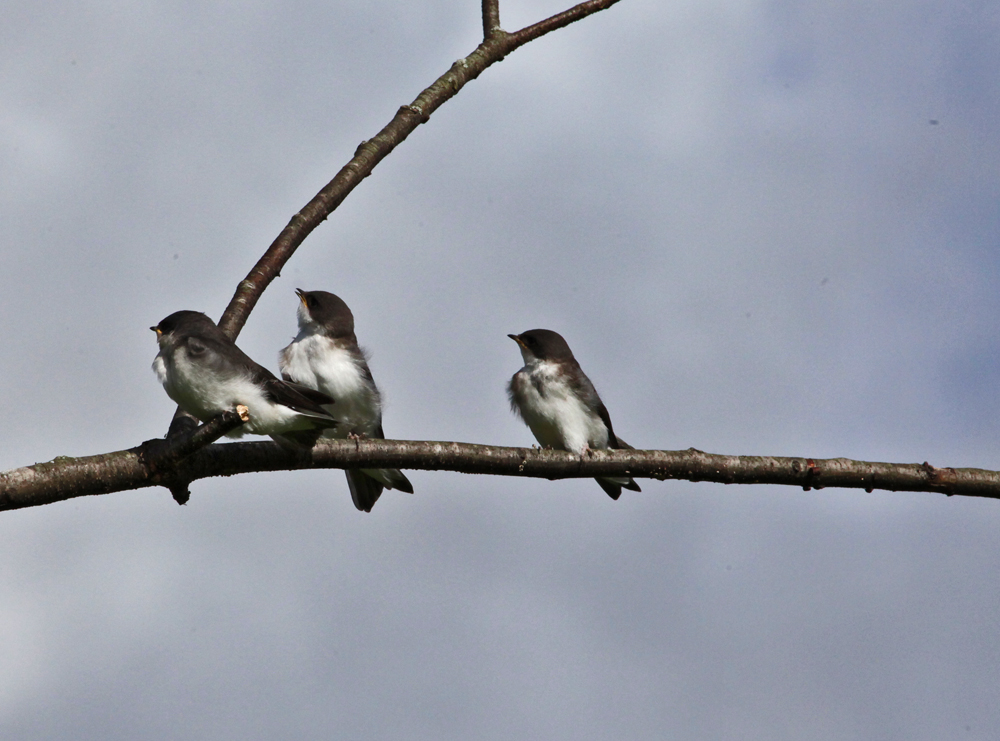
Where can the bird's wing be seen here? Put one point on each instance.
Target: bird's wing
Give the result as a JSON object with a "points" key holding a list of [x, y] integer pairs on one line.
{"points": [[586, 391], [302, 399], [602, 411]]}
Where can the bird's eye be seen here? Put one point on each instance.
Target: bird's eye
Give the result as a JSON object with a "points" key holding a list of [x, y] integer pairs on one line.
{"points": [[196, 347]]}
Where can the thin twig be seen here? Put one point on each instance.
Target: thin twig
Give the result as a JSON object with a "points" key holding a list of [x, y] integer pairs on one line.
{"points": [[559, 20]]}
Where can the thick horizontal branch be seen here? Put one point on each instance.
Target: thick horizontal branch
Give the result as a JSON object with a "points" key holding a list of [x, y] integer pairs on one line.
{"points": [[65, 478], [494, 48]]}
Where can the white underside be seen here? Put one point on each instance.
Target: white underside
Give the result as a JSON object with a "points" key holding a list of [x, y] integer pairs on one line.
{"points": [[558, 419], [317, 362], [205, 395]]}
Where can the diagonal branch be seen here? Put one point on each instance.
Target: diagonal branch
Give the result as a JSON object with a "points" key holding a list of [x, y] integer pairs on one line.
{"points": [[495, 46], [66, 478]]}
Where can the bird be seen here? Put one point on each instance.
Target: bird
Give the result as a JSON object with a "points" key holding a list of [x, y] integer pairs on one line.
{"points": [[205, 373], [560, 405], [325, 356]]}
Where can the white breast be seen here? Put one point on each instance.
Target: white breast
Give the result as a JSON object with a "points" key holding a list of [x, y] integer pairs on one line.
{"points": [[557, 418], [317, 362], [206, 394]]}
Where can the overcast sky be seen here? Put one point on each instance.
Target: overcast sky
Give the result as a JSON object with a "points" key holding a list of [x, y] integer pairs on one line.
{"points": [[763, 227]]}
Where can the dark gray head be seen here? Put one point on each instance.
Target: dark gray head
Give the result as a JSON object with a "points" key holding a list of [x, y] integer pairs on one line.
{"points": [[327, 311], [543, 344], [183, 323]]}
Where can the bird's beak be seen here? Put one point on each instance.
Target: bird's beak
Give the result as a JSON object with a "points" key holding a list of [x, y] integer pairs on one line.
{"points": [[302, 296], [158, 331], [517, 339]]}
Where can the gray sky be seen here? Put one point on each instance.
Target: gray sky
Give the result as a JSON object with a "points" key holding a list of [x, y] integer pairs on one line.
{"points": [[763, 227]]}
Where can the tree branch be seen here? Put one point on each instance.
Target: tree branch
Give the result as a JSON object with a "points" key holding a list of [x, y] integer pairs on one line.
{"points": [[163, 454], [491, 18], [66, 478], [496, 45], [183, 439], [186, 454], [559, 20]]}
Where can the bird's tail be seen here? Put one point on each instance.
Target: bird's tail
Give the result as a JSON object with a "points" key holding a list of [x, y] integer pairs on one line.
{"points": [[614, 485], [365, 490], [367, 484], [390, 478]]}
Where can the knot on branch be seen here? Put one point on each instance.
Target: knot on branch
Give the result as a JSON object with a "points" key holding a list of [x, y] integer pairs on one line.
{"points": [[161, 457], [941, 478], [810, 471], [414, 110]]}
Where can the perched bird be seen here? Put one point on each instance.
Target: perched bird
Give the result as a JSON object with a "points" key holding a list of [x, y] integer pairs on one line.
{"points": [[205, 373], [560, 405], [325, 356]]}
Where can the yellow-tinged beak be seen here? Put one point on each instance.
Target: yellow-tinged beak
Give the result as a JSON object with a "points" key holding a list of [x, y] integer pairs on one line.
{"points": [[517, 339], [302, 296]]}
